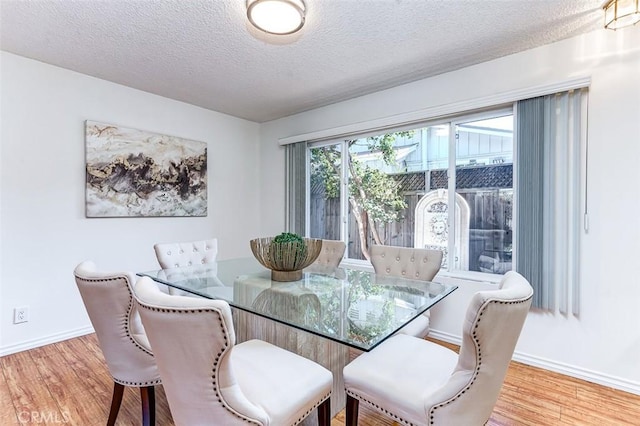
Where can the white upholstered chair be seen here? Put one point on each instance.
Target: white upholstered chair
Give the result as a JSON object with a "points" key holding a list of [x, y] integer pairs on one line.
{"points": [[173, 255], [209, 379], [411, 263], [109, 302], [418, 382], [191, 253], [329, 258], [331, 253]]}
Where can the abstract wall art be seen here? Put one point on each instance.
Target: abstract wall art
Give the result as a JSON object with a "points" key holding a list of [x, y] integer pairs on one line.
{"points": [[135, 173]]}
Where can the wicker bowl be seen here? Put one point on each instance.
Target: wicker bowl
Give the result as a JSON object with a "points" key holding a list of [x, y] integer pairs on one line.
{"points": [[286, 260]]}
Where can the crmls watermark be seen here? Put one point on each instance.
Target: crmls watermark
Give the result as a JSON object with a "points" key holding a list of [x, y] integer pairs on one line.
{"points": [[43, 417]]}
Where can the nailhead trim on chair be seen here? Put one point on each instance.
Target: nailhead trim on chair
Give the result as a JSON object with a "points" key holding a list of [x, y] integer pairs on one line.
{"points": [[475, 339], [216, 360], [381, 409], [473, 379], [126, 328], [216, 365], [304, 416]]}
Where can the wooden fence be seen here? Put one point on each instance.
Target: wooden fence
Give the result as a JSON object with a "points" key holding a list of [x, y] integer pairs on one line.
{"points": [[490, 209]]}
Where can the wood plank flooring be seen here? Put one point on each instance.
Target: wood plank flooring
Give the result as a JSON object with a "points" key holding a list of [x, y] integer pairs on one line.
{"points": [[68, 383]]}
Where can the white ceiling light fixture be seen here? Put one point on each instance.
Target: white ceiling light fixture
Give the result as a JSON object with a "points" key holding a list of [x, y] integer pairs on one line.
{"points": [[621, 13], [278, 17]]}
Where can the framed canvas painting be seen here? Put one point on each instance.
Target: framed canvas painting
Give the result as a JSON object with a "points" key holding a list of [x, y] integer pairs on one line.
{"points": [[135, 173]]}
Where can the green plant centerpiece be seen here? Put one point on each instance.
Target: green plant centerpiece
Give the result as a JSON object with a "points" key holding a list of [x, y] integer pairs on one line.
{"points": [[286, 254]]}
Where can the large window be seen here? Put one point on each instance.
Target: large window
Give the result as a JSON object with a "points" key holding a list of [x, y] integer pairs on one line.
{"points": [[395, 188], [495, 191]]}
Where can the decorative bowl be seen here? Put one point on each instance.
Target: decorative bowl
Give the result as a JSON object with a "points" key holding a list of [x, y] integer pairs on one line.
{"points": [[286, 259]]}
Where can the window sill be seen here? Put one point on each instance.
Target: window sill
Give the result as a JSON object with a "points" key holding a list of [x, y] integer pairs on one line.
{"points": [[471, 276], [462, 276]]}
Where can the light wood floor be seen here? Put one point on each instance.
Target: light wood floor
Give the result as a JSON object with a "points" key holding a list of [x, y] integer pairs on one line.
{"points": [[68, 383]]}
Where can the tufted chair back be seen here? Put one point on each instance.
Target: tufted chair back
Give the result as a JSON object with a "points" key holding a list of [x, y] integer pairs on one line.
{"points": [[491, 329], [410, 263], [331, 253], [173, 255], [203, 368], [329, 259], [109, 302]]}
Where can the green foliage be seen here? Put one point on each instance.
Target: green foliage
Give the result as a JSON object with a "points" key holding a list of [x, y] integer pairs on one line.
{"points": [[325, 166], [362, 287], [288, 237], [384, 144], [288, 249], [373, 192], [377, 193]]}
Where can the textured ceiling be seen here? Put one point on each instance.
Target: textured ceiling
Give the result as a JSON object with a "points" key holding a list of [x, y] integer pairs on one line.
{"points": [[203, 52]]}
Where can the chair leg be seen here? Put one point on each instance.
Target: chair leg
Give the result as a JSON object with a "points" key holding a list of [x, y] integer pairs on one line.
{"points": [[351, 418], [116, 400], [148, 396], [324, 413]]}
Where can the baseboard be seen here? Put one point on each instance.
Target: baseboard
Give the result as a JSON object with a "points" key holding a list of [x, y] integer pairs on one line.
{"points": [[558, 367], [53, 338], [445, 337], [535, 361]]}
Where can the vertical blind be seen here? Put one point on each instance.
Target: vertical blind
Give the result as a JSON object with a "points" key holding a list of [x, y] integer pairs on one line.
{"points": [[549, 147], [296, 187], [550, 133]]}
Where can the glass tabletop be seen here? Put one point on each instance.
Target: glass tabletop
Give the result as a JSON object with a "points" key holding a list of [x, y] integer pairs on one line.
{"points": [[350, 306]]}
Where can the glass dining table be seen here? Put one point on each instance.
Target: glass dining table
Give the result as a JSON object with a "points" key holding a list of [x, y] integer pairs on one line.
{"points": [[329, 316]]}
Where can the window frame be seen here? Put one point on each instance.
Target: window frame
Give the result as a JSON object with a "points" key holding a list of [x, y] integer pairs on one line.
{"points": [[432, 114], [498, 111], [451, 121]]}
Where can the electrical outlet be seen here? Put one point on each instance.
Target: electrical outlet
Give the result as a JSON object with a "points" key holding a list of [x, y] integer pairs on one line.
{"points": [[20, 314]]}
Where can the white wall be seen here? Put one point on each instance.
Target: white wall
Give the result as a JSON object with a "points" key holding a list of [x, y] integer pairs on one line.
{"points": [[43, 230], [602, 344]]}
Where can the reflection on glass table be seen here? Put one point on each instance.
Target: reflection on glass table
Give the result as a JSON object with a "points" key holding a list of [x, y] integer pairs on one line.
{"points": [[349, 306]]}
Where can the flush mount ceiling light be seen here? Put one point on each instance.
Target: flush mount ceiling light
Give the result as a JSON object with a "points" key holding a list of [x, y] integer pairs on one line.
{"points": [[621, 13], [279, 17]]}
